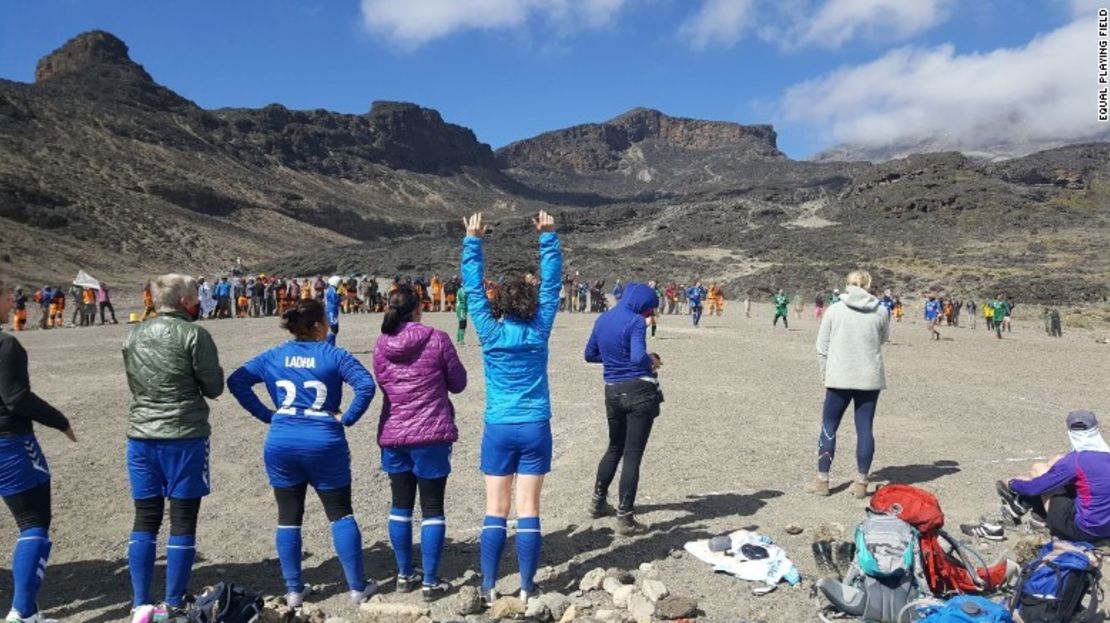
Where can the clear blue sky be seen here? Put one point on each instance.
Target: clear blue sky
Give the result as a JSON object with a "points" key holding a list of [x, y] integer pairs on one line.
{"points": [[510, 69]]}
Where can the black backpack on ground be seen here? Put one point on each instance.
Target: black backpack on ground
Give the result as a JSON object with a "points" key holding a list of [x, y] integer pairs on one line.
{"points": [[224, 603]]}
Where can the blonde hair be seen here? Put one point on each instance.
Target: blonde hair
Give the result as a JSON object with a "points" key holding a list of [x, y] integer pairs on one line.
{"points": [[860, 279], [168, 290]]}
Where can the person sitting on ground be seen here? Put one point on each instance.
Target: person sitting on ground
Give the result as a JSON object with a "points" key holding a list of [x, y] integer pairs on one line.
{"points": [[1069, 495]]}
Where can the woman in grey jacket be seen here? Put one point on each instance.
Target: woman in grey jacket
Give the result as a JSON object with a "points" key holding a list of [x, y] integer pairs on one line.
{"points": [[172, 367], [849, 347]]}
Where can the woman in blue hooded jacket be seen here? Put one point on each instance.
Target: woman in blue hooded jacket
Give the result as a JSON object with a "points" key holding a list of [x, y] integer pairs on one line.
{"points": [[516, 444], [632, 399]]}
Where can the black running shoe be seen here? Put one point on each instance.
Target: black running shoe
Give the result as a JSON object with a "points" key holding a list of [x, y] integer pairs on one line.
{"points": [[988, 531], [1011, 504]]}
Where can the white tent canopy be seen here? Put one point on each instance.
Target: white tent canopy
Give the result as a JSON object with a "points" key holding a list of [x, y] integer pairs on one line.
{"points": [[85, 280]]}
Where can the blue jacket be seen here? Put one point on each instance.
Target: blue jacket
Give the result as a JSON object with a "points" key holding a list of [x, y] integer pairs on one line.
{"points": [[331, 305], [932, 309], [223, 290], [305, 382], [617, 341], [514, 352], [695, 295], [1089, 473]]}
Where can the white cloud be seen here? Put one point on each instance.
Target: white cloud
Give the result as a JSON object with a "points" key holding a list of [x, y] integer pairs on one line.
{"points": [[412, 23], [838, 21], [823, 23], [1044, 91], [721, 22]]}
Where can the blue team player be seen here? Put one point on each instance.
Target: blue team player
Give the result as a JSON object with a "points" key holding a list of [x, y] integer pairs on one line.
{"points": [[933, 307], [172, 366], [306, 444], [695, 296], [331, 306], [516, 444], [24, 474]]}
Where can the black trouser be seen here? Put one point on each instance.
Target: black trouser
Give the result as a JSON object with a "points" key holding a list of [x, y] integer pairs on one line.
{"points": [[1059, 515], [30, 508], [631, 408], [107, 305], [404, 487], [290, 503]]}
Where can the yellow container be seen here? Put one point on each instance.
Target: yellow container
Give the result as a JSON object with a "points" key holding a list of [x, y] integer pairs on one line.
{"points": [[133, 318]]}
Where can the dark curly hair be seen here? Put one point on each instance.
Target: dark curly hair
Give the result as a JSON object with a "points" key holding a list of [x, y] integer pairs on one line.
{"points": [[516, 299]]}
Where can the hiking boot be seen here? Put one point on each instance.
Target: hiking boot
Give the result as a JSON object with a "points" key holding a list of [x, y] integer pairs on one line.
{"points": [[1011, 504], [434, 592], [600, 507], [858, 489], [407, 583], [628, 526], [818, 486], [357, 597], [296, 600], [984, 530]]}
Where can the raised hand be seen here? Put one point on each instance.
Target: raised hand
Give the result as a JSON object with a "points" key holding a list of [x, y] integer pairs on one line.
{"points": [[474, 226], [544, 222]]}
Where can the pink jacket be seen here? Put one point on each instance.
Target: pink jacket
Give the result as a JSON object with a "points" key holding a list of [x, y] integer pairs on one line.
{"points": [[415, 370]]}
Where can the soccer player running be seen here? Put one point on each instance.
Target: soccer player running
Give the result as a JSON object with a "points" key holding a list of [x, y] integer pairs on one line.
{"points": [[514, 330], [694, 297], [172, 366], [632, 399], [417, 368], [24, 474], [461, 309], [306, 444], [331, 307], [782, 309], [1001, 309]]}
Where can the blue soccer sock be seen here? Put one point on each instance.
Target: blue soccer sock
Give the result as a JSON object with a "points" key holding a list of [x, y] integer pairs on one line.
{"points": [[433, 532], [181, 551], [529, 540], [348, 546], [492, 545], [140, 559], [400, 536], [32, 550], [289, 550]]}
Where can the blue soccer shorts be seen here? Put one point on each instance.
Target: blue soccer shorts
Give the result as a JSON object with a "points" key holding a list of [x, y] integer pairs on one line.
{"points": [[429, 462], [22, 464], [291, 463], [517, 449], [169, 468]]}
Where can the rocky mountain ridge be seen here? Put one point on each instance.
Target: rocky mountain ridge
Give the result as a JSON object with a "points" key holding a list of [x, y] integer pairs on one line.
{"points": [[103, 169]]}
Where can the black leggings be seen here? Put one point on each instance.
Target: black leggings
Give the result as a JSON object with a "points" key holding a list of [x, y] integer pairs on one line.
{"points": [[290, 503], [31, 508], [631, 408], [183, 515], [405, 485]]}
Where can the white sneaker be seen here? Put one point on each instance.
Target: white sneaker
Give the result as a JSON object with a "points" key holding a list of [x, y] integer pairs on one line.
{"points": [[14, 617], [296, 600], [357, 597], [142, 614]]}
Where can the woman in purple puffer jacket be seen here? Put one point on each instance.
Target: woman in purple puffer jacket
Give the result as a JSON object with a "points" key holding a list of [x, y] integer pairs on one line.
{"points": [[416, 367]]}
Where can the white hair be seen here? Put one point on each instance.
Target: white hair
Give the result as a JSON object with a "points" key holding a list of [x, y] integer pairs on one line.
{"points": [[168, 290]]}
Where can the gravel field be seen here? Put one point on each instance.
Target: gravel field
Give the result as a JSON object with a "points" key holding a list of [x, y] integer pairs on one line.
{"points": [[734, 444]]}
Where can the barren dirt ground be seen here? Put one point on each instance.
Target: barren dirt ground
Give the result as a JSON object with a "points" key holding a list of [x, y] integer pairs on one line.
{"points": [[734, 444]]}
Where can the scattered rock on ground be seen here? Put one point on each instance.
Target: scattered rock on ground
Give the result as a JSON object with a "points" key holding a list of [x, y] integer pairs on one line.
{"points": [[654, 589], [675, 607], [620, 597], [794, 530], [592, 581], [570, 614], [316, 616], [608, 615], [611, 585], [621, 575], [507, 608], [335, 620], [378, 612], [557, 604], [467, 601], [536, 609], [640, 607]]}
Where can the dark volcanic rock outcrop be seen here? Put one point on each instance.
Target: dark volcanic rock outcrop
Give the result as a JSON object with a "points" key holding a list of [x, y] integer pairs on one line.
{"points": [[601, 146]]}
